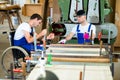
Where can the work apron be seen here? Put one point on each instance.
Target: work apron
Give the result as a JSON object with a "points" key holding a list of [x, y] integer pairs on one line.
{"points": [[25, 45], [83, 37]]}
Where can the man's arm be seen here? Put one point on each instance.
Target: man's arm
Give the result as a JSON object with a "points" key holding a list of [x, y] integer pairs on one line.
{"points": [[63, 41], [30, 38], [69, 36], [93, 36]]}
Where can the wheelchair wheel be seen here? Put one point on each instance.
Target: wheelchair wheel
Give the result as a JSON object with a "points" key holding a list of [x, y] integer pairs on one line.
{"points": [[8, 57]]}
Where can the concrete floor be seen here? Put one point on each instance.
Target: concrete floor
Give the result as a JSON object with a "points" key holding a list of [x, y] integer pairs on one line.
{"points": [[4, 43]]}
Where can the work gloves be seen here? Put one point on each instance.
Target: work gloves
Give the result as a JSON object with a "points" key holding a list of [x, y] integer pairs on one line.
{"points": [[63, 41]]}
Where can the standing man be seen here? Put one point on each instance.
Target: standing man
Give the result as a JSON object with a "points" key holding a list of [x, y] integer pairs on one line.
{"points": [[84, 31], [24, 33]]}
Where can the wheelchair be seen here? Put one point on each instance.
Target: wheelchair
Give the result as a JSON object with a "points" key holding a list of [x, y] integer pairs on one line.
{"points": [[14, 55]]}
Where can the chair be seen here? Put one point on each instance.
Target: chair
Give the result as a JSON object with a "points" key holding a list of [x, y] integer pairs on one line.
{"points": [[13, 54]]}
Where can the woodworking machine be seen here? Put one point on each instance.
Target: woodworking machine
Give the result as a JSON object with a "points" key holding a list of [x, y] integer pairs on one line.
{"points": [[96, 10]]}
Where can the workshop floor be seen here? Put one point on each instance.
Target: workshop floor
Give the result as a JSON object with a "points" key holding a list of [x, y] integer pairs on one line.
{"points": [[4, 43]]}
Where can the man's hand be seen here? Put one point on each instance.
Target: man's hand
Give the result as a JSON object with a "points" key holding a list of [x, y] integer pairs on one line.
{"points": [[63, 41], [51, 36], [43, 32]]}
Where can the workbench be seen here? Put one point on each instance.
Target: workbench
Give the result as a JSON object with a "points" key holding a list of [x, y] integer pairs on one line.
{"points": [[75, 62], [6, 10]]}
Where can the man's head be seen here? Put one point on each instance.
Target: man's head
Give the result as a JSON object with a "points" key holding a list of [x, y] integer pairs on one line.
{"points": [[81, 16], [35, 20], [81, 13]]}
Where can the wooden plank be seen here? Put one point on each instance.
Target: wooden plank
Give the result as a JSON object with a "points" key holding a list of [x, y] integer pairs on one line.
{"points": [[77, 45], [98, 73], [72, 54], [33, 8], [75, 51], [72, 72], [92, 60]]}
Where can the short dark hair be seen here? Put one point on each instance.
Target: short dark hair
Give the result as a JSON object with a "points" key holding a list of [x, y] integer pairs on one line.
{"points": [[80, 13], [36, 16]]}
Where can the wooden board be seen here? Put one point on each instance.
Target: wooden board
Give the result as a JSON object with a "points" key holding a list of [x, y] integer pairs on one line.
{"points": [[81, 59], [73, 72], [76, 45], [75, 51], [33, 8]]}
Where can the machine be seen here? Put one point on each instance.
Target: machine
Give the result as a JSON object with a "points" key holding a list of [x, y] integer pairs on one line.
{"points": [[96, 11]]}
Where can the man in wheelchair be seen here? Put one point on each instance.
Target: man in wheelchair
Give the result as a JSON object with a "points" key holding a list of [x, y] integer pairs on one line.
{"points": [[22, 43], [24, 34]]}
